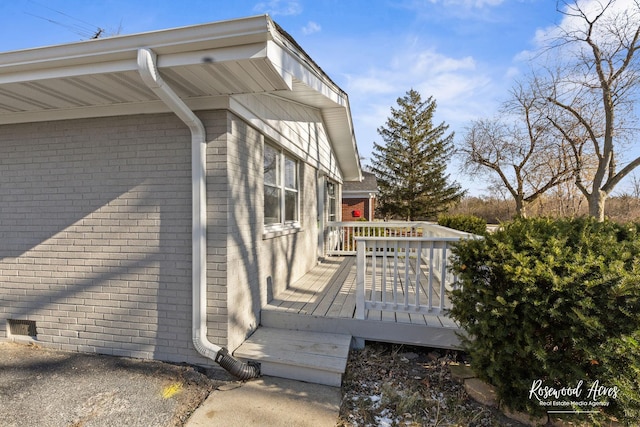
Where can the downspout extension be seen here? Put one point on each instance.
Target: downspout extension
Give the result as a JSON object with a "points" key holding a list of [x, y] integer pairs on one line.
{"points": [[147, 67]]}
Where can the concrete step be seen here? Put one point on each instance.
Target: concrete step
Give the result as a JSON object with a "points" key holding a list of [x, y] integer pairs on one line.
{"points": [[314, 357]]}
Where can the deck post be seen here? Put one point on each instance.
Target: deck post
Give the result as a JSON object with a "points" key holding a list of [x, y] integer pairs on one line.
{"points": [[361, 263]]}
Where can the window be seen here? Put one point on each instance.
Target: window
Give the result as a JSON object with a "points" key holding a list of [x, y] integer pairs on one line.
{"points": [[331, 198], [271, 185], [281, 188]]}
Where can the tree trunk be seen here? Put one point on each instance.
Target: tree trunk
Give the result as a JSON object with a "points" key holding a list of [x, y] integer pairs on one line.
{"points": [[597, 201], [521, 209]]}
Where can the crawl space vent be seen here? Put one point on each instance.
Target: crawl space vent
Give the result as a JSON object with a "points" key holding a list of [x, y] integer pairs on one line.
{"points": [[22, 327]]}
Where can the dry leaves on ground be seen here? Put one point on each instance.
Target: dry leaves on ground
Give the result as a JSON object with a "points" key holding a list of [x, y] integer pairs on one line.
{"points": [[395, 385]]}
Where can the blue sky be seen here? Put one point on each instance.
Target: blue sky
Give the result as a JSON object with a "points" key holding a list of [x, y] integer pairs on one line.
{"points": [[464, 53]]}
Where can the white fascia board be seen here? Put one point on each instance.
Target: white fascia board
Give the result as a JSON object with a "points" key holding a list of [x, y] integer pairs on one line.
{"points": [[119, 53], [343, 141], [223, 54], [295, 66], [255, 51]]}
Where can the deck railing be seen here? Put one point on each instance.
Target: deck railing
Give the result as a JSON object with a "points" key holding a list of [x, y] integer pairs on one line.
{"points": [[406, 274], [341, 236]]}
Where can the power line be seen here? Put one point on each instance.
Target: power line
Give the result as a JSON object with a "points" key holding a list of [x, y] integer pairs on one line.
{"points": [[80, 27]]}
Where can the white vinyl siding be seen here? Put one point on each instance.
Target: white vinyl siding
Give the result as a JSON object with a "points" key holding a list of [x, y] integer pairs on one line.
{"points": [[298, 129]]}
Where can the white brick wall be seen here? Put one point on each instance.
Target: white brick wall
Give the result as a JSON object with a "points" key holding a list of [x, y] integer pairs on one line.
{"points": [[95, 234], [217, 194], [253, 260]]}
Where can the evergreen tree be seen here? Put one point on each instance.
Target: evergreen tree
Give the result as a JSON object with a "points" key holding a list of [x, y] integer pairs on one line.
{"points": [[411, 165]]}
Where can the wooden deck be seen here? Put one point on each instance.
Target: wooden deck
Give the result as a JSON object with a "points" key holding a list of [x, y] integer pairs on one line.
{"points": [[324, 300]]}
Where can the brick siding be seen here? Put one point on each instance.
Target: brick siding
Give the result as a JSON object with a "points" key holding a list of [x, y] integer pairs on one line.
{"points": [[359, 204], [260, 266], [96, 234]]}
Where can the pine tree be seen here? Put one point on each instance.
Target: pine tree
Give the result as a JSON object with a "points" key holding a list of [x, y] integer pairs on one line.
{"points": [[411, 165]]}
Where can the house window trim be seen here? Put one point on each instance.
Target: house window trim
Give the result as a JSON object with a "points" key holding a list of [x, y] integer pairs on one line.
{"points": [[284, 227], [335, 199]]}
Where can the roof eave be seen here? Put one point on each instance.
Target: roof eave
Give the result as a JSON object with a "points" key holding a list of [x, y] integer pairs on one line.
{"points": [[255, 38], [337, 116], [115, 51]]}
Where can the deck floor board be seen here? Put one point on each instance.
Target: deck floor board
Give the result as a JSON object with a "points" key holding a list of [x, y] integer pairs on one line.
{"points": [[329, 289]]}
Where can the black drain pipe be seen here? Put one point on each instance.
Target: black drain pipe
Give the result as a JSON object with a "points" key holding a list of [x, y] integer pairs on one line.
{"points": [[242, 371]]}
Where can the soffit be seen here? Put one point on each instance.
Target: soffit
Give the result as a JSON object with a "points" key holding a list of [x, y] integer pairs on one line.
{"points": [[204, 64], [82, 89]]}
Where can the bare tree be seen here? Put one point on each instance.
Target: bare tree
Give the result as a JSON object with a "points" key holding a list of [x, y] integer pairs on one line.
{"points": [[592, 91], [635, 186], [518, 151]]}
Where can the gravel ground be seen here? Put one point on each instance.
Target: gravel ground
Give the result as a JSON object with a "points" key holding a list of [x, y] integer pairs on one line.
{"points": [[40, 387], [394, 385]]}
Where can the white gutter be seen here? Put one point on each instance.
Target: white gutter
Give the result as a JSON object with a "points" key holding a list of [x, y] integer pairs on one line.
{"points": [[147, 67]]}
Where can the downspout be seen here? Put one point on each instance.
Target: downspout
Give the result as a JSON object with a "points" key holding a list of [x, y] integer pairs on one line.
{"points": [[147, 67]]}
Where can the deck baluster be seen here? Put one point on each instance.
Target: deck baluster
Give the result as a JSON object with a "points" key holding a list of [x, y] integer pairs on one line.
{"points": [[377, 244], [418, 273], [430, 281], [361, 266], [443, 275], [396, 250], [406, 275], [383, 284]]}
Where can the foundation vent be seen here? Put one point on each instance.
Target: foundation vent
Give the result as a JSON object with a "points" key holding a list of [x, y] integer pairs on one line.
{"points": [[22, 327]]}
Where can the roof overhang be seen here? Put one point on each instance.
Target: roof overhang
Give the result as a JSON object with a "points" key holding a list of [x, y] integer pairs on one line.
{"points": [[205, 64], [357, 194]]}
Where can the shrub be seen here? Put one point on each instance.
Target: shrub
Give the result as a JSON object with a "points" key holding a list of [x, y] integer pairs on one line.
{"points": [[557, 301], [468, 223]]}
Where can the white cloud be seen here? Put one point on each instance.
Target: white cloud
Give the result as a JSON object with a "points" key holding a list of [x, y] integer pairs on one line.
{"points": [[439, 75], [512, 72], [454, 89], [311, 27], [371, 84], [279, 7], [433, 63], [462, 88]]}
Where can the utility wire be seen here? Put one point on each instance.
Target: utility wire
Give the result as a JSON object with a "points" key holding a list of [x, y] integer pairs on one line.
{"points": [[82, 28]]}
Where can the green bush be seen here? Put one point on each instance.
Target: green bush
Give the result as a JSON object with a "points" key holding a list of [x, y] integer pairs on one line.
{"points": [[468, 223], [556, 301]]}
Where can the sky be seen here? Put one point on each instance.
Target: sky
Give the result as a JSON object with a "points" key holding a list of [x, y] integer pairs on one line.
{"points": [[466, 54]]}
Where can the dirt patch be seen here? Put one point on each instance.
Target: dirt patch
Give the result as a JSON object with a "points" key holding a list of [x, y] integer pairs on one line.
{"points": [[390, 385]]}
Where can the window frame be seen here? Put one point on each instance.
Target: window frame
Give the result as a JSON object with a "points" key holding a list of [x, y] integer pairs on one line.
{"points": [[283, 178], [332, 216]]}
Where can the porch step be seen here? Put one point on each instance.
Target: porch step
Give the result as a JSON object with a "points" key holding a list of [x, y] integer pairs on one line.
{"points": [[436, 331], [313, 357]]}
